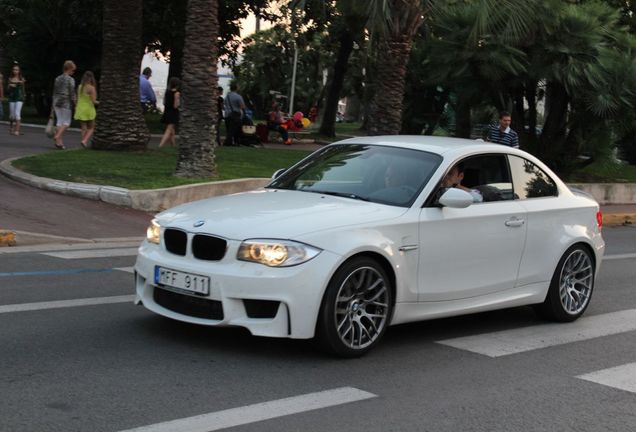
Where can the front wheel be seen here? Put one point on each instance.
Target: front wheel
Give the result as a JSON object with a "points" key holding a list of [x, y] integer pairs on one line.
{"points": [[571, 286], [356, 308]]}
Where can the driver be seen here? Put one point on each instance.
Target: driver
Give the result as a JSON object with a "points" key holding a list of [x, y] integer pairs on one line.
{"points": [[454, 179]]}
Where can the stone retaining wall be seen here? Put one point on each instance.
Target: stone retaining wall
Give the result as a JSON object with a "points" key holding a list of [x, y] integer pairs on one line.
{"points": [[610, 193], [160, 199]]}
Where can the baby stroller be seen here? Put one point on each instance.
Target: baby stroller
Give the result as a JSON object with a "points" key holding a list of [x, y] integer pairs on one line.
{"points": [[248, 136]]}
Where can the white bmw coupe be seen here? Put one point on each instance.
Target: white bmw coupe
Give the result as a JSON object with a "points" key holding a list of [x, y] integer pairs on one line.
{"points": [[375, 231]]}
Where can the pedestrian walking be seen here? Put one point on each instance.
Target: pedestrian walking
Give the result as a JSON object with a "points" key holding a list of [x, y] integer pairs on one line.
{"points": [[234, 107], [63, 101], [220, 117], [170, 117], [147, 95], [15, 94], [501, 133], [85, 110]]}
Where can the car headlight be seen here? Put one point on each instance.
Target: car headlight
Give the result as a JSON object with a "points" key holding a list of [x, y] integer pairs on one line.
{"points": [[276, 253], [153, 233]]}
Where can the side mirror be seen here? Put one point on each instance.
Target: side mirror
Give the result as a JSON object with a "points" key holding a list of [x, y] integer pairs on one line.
{"points": [[278, 173], [456, 198]]}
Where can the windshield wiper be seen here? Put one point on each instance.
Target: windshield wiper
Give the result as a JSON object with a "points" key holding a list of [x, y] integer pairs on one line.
{"points": [[339, 194]]}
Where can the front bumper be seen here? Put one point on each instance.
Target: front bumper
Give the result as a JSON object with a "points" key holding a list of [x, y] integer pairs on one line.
{"points": [[235, 287]]}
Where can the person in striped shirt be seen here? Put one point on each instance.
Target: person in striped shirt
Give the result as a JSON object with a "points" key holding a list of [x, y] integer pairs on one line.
{"points": [[502, 133]]}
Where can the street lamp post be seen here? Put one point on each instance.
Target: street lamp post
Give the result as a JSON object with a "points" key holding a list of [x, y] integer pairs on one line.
{"points": [[293, 81]]}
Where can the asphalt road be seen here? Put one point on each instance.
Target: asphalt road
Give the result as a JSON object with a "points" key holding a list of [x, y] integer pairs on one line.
{"points": [[115, 366], [24, 208]]}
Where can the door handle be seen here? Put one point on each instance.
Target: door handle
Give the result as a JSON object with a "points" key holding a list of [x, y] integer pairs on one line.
{"points": [[514, 222]]}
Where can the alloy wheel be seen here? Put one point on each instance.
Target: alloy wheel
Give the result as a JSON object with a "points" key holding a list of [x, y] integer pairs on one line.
{"points": [[362, 307], [576, 282]]}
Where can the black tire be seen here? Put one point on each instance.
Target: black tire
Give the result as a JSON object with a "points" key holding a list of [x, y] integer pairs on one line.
{"points": [[571, 286], [356, 308]]}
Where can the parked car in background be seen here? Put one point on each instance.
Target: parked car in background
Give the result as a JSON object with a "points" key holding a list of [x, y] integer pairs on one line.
{"points": [[366, 233]]}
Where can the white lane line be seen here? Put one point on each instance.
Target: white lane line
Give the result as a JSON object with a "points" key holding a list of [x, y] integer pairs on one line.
{"points": [[125, 269], [98, 253], [259, 412], [23, 307], [67, 247], [619, 256], [508, 342], [620, 377]]}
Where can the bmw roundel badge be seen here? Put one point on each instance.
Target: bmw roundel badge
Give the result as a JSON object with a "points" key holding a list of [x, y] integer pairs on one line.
{"points": [[197, 224]]}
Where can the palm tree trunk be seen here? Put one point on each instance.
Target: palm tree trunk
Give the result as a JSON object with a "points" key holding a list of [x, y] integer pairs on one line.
{"points": [[554, 128], [462, 117], [197, 136], [518, 114], [328, 125], [120, 123], [385, 116], [386, 107], [531, 97]]}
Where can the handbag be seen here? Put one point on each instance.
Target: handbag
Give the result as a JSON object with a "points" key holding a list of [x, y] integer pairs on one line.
{"points": [[49, 130]]}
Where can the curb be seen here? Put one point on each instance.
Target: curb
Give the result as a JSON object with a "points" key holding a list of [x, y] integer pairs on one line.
{"points": [[150, 200], [619, 219]]}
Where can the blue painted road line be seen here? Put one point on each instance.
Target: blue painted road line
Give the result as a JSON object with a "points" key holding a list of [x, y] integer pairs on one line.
{"points": [[55, 272]]}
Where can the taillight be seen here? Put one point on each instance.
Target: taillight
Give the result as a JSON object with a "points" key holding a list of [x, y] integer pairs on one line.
{"points": [[599, 220]]}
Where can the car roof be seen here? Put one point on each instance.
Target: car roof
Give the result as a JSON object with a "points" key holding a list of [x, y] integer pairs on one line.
{"points": [[433, 144]]}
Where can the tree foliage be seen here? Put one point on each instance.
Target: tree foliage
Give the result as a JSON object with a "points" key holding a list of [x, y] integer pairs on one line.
{"points": [[266, 67]]}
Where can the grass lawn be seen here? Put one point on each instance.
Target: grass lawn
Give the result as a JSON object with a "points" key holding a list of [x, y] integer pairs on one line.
{"points": [[605, 173], [153, 168]]}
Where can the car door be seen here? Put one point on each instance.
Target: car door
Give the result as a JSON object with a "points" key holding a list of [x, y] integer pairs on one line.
{"points": [[548, 222], [473, 251]]}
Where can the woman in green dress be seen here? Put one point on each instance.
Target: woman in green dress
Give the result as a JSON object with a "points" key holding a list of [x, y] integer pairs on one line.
{"points": [[85, 110], [15, 94]]}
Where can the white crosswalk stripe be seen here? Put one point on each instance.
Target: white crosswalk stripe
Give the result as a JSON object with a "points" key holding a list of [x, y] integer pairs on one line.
{"points": [[125, 269], [621, 377], [58, 304], [515, 341], [261, 411], [95, 253], [58, 247]]}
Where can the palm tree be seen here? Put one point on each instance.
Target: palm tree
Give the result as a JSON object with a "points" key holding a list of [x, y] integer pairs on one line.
{"points": [[397, 21], [199, 112], [120, 123]]}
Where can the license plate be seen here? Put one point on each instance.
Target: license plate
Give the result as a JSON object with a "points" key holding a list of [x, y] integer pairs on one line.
{"points": [[182, 280]]}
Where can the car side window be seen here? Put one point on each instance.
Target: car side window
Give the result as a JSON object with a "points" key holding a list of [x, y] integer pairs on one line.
{"points": [[488, 174], [529, 180]]}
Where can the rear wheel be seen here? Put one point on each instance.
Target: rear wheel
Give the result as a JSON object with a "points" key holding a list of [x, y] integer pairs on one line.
{"points": [[571, 286], [356, 308]]}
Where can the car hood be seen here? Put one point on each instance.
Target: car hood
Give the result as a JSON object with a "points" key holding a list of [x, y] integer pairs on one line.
{"points": [[273, 213]]}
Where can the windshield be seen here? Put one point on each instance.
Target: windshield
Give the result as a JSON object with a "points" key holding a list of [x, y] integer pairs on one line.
{"points": [[386, 175]]}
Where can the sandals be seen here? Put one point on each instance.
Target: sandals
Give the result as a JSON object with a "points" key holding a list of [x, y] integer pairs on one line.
{"points": [[60, 146]]}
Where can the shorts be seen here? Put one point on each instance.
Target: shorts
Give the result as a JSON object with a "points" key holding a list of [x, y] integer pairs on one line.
{"points": [[15, 110], [63, 116]]}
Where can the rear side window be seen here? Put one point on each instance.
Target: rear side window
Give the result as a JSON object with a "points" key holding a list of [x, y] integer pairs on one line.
{"points": [[530, 181]]}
